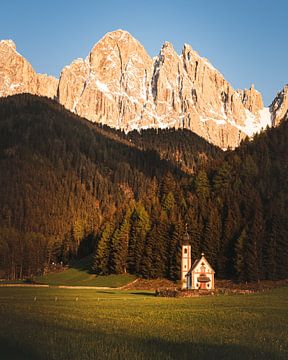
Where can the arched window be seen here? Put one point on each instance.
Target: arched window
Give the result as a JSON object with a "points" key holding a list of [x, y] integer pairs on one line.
{"points": [[185, 250]]}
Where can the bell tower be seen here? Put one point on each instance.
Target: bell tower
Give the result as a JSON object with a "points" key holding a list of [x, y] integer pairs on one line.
{"points": [[185, 262]]}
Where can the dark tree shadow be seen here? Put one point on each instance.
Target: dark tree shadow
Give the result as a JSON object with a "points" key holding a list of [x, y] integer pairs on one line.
{"points": [[14, 351], [144, 293]]}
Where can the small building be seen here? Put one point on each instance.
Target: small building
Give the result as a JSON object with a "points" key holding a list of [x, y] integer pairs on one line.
{"points": [[199, 275]]}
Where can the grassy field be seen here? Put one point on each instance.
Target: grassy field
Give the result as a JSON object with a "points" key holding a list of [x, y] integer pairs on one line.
{"points": [[79, 275], [51, 323]]}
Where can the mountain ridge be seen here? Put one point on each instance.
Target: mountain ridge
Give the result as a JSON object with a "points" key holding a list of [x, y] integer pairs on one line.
{"points": [[120, 85]]}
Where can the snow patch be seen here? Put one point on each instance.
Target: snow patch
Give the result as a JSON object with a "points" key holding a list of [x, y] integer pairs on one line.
{"points": [[12, 87], [254, 124], [265, 118], [101, 86], [217, 121]]}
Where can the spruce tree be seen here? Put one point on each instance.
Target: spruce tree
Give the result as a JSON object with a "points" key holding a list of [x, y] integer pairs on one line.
{"points": [[239, 256], [101, 256], [211, 236], [202, 186], [119, 248], [177, 233], [140, 225]]}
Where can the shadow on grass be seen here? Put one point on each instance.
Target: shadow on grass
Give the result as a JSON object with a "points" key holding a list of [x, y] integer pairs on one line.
{"points": [[144, 293], [14, 351], [91, 344], [207, 351]]}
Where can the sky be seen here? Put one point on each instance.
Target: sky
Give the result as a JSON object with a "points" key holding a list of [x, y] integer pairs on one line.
{"points": [[245, 40]]}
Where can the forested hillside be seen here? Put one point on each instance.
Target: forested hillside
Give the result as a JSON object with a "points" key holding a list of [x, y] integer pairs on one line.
{"points": [[69, 188]]}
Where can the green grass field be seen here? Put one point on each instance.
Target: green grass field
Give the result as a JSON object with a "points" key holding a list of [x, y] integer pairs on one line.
{"points": [[79, 275], [51, 323]]}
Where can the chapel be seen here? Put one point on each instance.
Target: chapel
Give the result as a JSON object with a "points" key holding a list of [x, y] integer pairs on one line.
{"points": [[197, 275]]}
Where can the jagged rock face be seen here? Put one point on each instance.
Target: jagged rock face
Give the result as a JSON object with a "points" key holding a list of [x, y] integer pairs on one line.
{"points": [[73, 81], [46, 86], [17, 75], [252, 100], [111, 85], [279, 107], [118, 84]]}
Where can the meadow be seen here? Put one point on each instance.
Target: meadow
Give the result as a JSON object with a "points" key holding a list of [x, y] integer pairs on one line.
{"points": [[53, 323], [78, 277], [79, 274]]}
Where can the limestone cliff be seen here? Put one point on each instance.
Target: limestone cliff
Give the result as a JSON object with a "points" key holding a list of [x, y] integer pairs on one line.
{"points": [[17, 75], [279, 106], [120, 85]]}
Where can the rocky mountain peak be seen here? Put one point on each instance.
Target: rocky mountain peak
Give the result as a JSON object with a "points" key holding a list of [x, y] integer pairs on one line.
{"points": [[117, 43], [167, 47], [8, 43], [17, 75], [167, 53], [119, 35], [118, 84], [279, 106], [252, 99]]}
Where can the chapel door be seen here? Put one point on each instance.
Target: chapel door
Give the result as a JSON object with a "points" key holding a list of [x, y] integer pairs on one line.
{"points": [[202, 286]]}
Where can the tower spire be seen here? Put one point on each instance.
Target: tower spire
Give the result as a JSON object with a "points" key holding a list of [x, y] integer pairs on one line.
{"points": [[186, 237]]}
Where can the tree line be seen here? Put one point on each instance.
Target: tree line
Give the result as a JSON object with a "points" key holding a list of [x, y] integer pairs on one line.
{"points": [[70, 189]]}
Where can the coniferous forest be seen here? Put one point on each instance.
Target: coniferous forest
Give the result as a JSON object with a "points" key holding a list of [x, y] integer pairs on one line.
{"points": [[70, 188]]}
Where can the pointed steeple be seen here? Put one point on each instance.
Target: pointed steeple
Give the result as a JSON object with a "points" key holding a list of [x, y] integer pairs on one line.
{"points": [[186, 237]]}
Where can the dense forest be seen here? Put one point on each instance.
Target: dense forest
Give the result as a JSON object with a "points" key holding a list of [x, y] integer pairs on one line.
{"points": [[70, 188]]}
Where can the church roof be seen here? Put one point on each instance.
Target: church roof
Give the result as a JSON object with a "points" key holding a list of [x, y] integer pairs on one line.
{"points": [[196, 262]]}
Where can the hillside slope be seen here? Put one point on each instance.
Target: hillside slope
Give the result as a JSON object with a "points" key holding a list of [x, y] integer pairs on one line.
{"points": [[62, 178], [69, 189]]}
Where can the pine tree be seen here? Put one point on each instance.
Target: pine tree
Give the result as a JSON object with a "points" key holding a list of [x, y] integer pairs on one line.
{"points": [[138, 232], [147, 265], [160, 248], [168, 202], [222, 178], [202, 186], [101, 256], [195, 230], [168, 184], [211, 236], [277, 247], [177, 234], [270, 253], [251, 260], [120, 241], [239, 256]]}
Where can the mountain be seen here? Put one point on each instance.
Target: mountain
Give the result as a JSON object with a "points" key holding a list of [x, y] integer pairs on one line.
{"points": [[279, 106], [120, 85], [70, 188], [17, 75]]}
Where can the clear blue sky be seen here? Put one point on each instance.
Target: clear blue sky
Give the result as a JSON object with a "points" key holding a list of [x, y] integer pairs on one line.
{"points": [[247, 40]]}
